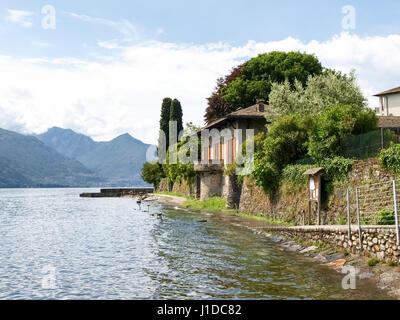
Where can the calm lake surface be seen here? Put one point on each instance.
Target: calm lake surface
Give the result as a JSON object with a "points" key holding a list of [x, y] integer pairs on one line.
{"points": [[55, 245]]}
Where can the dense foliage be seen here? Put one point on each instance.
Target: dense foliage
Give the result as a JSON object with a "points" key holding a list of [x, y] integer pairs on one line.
{"points": [[390, 158], [255, 78], [171, 110], [335, 124], [286, 140], [152, 173], [336, 168], [385, 217], [176, 114], [321, 91], [164, 121]]}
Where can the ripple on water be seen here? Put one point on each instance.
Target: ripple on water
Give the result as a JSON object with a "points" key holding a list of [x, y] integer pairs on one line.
{"points": [[108, 249]]}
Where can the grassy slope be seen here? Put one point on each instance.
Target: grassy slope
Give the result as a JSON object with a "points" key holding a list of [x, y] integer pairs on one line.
{"points": [[217, 204]]}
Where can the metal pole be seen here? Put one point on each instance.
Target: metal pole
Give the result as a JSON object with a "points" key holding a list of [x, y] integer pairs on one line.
{"points": [[348, 213], [396, 218], [359, 220]]}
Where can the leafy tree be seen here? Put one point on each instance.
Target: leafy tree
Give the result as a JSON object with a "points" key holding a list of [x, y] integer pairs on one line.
{"points": [[336, 123], [266, 174], [254, 79], [176, 114], [322, 91], [176, 172], [152, 173], [287, 139], [164, 121], [285, 142], [217, 107], [259, 73]]}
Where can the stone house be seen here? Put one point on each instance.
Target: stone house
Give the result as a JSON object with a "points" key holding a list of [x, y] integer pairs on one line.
{"points": [[222, 150]]}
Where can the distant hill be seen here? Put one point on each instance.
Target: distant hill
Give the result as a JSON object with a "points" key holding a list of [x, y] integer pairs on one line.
{"points": [[119, 161], [27, 162], [67, 142]]}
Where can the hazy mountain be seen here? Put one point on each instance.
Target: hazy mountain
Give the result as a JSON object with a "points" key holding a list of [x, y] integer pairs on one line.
{"points": [[67, 142], [27, 162], [119, 161]]}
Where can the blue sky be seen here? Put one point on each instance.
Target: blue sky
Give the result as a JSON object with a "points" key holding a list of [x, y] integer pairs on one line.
{"points": [[199, 22], [105, 68]]}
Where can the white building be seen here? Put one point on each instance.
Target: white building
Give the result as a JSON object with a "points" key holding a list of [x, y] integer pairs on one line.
{"points": [[389, 102]]}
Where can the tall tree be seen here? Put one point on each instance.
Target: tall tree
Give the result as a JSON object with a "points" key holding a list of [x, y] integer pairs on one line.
{"points": [[217, 107], [321, 92], [176, 114], [254, 79], [164, 122]]}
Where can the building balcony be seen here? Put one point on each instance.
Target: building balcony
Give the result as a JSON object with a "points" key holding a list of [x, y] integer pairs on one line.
{"points": [[212, 165]]}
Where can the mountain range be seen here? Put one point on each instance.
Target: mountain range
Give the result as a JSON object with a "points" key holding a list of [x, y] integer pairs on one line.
{"points": [[64, 158]]}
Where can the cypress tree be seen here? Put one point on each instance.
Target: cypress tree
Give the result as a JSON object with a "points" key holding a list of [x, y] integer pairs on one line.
{"points": [[176, 114], [164, 121]]}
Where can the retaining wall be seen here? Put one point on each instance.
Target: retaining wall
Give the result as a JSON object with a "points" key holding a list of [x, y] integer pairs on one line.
{"points": [[378, 241]]}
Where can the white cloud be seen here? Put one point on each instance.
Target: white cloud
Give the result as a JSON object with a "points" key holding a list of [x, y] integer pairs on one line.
{"points": [[105, 98], [21, 17], [124, 26]]}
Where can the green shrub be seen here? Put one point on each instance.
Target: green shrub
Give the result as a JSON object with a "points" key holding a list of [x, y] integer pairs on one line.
{"points": [[336, 168], [266, 175], [390, 158], [334, 125], [372, 262], [293, 178], [385, 217], [286, 140], [152, 173]]}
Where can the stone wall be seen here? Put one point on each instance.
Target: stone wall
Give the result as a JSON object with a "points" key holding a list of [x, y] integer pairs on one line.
{"points": [[290, 206], [231, 191], [379, 242], [211, 184], [163, 186], [285, 206], [182, 187]]}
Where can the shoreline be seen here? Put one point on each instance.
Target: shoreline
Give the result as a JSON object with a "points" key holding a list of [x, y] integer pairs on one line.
{"points": [[382, 275]]}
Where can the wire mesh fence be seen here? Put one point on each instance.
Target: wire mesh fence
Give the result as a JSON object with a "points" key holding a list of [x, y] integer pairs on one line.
{"points": [[375, 204], [369, 144]]}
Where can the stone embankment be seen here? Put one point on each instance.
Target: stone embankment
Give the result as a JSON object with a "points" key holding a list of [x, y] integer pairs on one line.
{"points": [[117, 193], [377, 241], [330, 246]]}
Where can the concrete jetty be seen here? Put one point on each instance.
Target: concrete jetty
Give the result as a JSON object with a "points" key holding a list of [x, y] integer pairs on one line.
{"points": [[117, 192]]}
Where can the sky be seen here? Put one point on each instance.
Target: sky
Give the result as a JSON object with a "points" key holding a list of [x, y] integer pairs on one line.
{"points": [[102, 68]]}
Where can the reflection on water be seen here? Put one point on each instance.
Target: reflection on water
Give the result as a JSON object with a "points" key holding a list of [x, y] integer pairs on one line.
{"points": [[107, 249]]}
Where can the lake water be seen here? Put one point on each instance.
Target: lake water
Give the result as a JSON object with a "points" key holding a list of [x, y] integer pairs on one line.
{"points": [[55, 245]]}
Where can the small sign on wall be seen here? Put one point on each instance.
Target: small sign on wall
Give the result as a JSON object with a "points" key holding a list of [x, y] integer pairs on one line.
{"points": [[314, 186]]}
